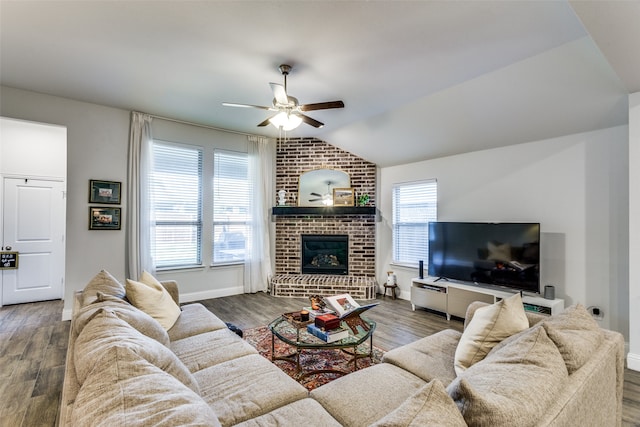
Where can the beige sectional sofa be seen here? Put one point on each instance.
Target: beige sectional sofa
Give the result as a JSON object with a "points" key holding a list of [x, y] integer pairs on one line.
{"points": [[123, 368]]}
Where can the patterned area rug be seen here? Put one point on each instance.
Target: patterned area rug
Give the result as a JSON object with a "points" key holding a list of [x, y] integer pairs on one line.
{"points": [[260, 338]]}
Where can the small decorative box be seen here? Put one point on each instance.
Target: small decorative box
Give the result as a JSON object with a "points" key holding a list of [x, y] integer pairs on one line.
{"points": [[327, 321]]}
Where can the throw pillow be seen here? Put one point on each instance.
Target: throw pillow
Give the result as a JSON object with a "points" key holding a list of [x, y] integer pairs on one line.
{"points": [[106, 330], [576, 334], [489, 326], [102, 282], [151, 297], [135, 317], [514, 384], [429, 406]]}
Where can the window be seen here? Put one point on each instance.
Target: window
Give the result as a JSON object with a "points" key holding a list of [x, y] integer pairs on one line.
{"points": [[232, 194], [414, 206], [176, 194]]}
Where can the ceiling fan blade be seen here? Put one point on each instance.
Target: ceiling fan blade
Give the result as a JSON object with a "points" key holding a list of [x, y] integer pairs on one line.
{"points": [[265, 122], [322, 106], [313, 122], [279, 93], [316, 194], [314, 200], [230, 104]]}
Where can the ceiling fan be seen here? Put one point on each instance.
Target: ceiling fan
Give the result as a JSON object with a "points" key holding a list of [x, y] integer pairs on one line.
{"points": [[289, 111], [326, 198]]}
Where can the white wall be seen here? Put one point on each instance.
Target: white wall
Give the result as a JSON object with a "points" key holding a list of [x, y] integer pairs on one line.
{"points": [[633, 359], [575, 186], [97, 140], [50, 142], [96, 149]]}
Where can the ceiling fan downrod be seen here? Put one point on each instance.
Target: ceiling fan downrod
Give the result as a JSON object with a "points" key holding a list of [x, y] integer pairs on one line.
{"points": [[285, 70]]}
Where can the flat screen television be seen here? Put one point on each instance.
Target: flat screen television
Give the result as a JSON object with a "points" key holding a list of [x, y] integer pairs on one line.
{"points": [[500, 254]]}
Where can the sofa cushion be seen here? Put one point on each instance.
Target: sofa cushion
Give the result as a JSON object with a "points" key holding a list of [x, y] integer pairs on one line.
{"points": [[304, 412], [102, 282], [489, 326], [151, 297], [576, 334], [210, 348], [365, 396], [136, 318], [246, 387], [106, 330], [429, 357], [513, 384], [194, 320], [429, 406], [128, 390]]}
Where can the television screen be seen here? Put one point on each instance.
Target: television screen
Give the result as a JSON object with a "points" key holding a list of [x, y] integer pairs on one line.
{"points": [[502, 254]]}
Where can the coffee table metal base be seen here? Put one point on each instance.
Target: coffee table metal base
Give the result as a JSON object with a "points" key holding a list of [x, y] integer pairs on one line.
{"points": [[294, 356]]}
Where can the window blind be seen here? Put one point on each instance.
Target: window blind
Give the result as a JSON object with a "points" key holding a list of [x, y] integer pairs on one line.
{"points": [[232, 192], [176, 194], [414, 206]]}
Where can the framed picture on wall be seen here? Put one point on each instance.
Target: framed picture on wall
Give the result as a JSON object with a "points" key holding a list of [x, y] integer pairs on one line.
{"points": [[104, 218], [107, 192], [343, 197]]}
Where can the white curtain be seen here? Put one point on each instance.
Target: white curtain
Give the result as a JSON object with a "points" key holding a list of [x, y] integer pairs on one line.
{"points": [[139, 224], [257, 264]]}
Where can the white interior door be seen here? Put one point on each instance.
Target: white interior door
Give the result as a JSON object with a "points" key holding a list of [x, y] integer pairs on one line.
{"points": [[34, 226]]}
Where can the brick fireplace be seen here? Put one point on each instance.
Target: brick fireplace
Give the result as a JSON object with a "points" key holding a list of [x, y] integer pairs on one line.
{"points": [[295, 156]]}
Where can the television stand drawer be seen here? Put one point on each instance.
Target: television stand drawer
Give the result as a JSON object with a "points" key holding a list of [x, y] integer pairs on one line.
{"points": [[428, 295]]}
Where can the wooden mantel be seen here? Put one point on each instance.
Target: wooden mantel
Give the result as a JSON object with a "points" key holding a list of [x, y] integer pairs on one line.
{"points": [[323, 210]]}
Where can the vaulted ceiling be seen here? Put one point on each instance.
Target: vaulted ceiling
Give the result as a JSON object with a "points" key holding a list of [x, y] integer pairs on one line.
{"points": [[419, 79]]}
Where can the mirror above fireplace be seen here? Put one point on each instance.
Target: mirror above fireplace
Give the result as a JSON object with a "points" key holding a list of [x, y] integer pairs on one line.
{"points": [[315, 187]]}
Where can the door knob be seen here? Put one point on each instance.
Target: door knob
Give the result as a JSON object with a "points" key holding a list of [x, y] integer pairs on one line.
{"points": [[8, 248]]}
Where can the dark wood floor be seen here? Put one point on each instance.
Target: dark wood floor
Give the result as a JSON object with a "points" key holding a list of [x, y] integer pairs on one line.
{"points": [[33, 344]]}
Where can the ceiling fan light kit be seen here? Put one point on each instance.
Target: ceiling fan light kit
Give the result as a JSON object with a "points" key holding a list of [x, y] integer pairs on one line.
{"points": [[285, 121], [289, 114]]}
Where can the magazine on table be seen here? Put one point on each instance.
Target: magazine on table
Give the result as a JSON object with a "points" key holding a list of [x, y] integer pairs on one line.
{"points": [[344, 305]]}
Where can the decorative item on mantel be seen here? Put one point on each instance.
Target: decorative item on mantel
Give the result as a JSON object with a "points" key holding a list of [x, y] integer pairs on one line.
{"points": [[282, 194], [363, 199]]}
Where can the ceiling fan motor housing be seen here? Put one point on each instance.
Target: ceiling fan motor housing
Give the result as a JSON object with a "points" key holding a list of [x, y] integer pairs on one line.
{"points": [[285, 69]]}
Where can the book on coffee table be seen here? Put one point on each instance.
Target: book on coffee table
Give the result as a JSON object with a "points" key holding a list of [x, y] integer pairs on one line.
{"points": [[346, 306], [328, 336]]}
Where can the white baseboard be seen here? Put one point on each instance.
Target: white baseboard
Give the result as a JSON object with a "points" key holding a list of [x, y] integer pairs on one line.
{"points": [[66, 314], [633, 361], [214, 293]]}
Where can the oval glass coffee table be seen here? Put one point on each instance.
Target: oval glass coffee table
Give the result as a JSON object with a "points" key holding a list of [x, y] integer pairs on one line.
{"points": [[295, 334]]}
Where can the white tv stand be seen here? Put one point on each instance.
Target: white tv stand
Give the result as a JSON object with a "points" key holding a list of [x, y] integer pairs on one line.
{"points": [[453, 298]]}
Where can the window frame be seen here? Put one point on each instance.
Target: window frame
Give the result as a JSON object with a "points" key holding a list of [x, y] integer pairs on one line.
{"points": [[431, 214], [245, 223], [198, 223]]}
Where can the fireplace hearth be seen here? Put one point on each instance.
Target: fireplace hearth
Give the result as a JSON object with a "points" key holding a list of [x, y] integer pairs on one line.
{"points": [[325, 254]]}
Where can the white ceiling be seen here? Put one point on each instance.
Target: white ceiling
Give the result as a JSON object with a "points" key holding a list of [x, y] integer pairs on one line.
{"points": [[419, 79]]}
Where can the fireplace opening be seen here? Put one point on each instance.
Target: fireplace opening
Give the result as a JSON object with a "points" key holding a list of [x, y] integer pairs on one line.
{"points": [[325, 254]]}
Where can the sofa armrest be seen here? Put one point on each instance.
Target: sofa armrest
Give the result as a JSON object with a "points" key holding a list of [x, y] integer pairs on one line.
{"points": [[172, 287]]}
